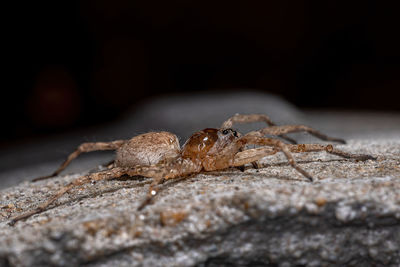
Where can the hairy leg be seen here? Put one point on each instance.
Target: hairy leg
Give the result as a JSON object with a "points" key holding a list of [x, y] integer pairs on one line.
{"points": [[172, 170], [104, 175], [84, 148], [250, 155], [271, 146], [254, 164], [249, 118], [225, 158], [159, 173], [276, 144], [109, 165], [329, 149], [284, 129]]}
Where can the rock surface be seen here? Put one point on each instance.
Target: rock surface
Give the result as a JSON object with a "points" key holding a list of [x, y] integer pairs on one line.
{"points": [[272, 216]]}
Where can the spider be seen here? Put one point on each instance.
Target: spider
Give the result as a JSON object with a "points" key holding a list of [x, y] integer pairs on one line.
{"points": [[158, 155]]}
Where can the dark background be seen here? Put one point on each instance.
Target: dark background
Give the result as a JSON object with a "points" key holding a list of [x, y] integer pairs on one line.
{"points": [[72, 64]]}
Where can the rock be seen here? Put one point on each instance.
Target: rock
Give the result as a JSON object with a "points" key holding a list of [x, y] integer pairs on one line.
{"points": [[271, 216], [350, 215]]}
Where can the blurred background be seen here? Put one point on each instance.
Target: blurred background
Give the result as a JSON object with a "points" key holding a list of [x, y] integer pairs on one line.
{"points": [[76, 64]]}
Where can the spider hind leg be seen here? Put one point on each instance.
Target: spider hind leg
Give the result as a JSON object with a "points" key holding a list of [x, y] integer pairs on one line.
{"points": [[104, 175], [83, 148]]}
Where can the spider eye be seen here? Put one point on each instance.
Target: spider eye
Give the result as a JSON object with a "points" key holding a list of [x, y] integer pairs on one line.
{"points": [[235, 134], [226, 131]]}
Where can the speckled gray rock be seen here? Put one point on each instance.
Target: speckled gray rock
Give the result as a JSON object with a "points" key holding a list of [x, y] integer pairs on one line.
{"points": [[271, 216], [350, 215]]}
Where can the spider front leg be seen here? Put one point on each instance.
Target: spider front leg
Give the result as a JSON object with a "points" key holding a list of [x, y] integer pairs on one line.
{"points": [[329, 149], [285, 129], [276, 144], [250, 155], [84, 148], [249, 118]]}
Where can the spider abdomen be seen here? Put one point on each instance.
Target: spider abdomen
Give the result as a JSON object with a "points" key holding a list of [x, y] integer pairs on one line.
{"points": [[148, 149]]}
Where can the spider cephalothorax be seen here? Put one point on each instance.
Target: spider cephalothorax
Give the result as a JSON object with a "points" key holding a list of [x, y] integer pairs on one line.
{"points": [[158, 155]]}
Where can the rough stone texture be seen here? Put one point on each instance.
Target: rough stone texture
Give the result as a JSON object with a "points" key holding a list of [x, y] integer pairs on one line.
{"points": [[271, 216], [351, 215]]}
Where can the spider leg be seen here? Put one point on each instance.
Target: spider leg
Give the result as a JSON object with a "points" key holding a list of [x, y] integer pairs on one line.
{"points": [[248, 118], [156, 171], [159, 173], [109, 164], [284, 129], [153, 190], [83, 148], [254, 164], [226, 157], [166, 171], [104, 175], [277, 144], [329, 149], [251, 155]]}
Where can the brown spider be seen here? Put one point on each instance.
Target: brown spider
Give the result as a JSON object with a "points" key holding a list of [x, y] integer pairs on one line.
{"points": [[159, 156]]}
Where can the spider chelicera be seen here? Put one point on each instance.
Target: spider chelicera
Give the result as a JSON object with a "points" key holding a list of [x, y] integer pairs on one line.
{"points": [[158, 154]]}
